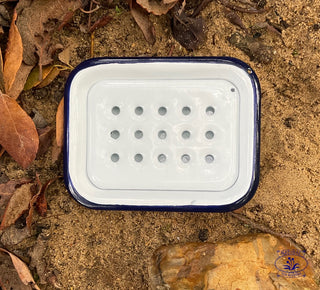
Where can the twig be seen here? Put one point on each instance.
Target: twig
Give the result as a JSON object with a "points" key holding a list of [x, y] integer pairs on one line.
{"points": [[90, 11], [171, 50], [260, 226], [251, 10], [89, 18], [2, 151], [92, 44], [203, 5]]}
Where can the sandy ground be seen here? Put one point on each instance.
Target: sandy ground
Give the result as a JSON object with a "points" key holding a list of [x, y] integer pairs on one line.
{"points": [[89, 249]]}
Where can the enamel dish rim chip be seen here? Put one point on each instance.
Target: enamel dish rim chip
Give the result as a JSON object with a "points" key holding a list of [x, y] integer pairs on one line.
{"points": [[176, 134]]}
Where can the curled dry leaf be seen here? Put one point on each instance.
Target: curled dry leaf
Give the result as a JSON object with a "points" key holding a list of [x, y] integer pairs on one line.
{"points": [[188, 31], [60, 123], [34, 78], [17, 205], [104, 20], [1, 73], [18, 134], [34, 23], [39, 201], [7, 189], [142, 18], [13, 56], [22, 270], [50, 78], [157, 7], [45, 139], [20, 80]]}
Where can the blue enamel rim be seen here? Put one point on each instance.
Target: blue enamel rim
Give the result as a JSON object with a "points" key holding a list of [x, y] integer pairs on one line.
{"points": [[190, 208]]}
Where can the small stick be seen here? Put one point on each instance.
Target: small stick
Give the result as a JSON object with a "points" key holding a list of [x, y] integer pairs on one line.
{"points": [[90, 11], [259, 226], [251, 10], [171, 50], [202, 5], [2, 151], [92, 44]]}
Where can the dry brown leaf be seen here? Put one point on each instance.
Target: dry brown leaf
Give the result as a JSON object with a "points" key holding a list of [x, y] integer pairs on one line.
{"points": [[20, 80], [1, 73], [22, 270], [7, 189], [35, 26], [18, 204], [104, 20], [56, 151], [13, 56], [39, 201], [142, 18], [157, 7], [64, 56], [45, 139], [18, 134], [50, 77], [188, 31], [60, 123]]}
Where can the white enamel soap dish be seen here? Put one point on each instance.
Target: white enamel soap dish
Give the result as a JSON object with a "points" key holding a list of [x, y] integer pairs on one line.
{"points": [[162, 133]]}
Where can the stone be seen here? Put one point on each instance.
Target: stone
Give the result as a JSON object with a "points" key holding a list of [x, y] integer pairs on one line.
{"points": [[252, 262]]}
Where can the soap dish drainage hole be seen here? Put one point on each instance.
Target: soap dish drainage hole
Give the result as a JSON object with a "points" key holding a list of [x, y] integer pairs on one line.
{"points": [[115, 110], [162, 111], [210, 110], [162, 134], [115, 134], [138, 111], [209, 158], [115, 157], [138, 157], [162, 158], [209, 135], [138, 134], [186, 134], [186, 111], [185, 158]]}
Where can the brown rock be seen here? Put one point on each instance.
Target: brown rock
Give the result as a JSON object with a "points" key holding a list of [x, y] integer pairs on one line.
{"points": [[251, 262]]}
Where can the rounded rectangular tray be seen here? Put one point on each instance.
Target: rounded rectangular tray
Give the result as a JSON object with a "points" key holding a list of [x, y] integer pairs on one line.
{"points": [[162, 133]]}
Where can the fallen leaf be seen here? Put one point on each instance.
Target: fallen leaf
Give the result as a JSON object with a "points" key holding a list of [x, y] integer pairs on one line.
{"points": [[64, 56], [45, 139], [188, 31], [157, 7], [56, 151], [7, 189], [39, 15], [142, 19], [22, 270], [60, 123], [13, 55], [66, 19], [39, 201], [39, 121], [34, 76], [1, 73], [50, 77], [13, 236], [17, 205], [100, 23], [18, 134], [255, 49], [20, 80], [9, 278]]}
